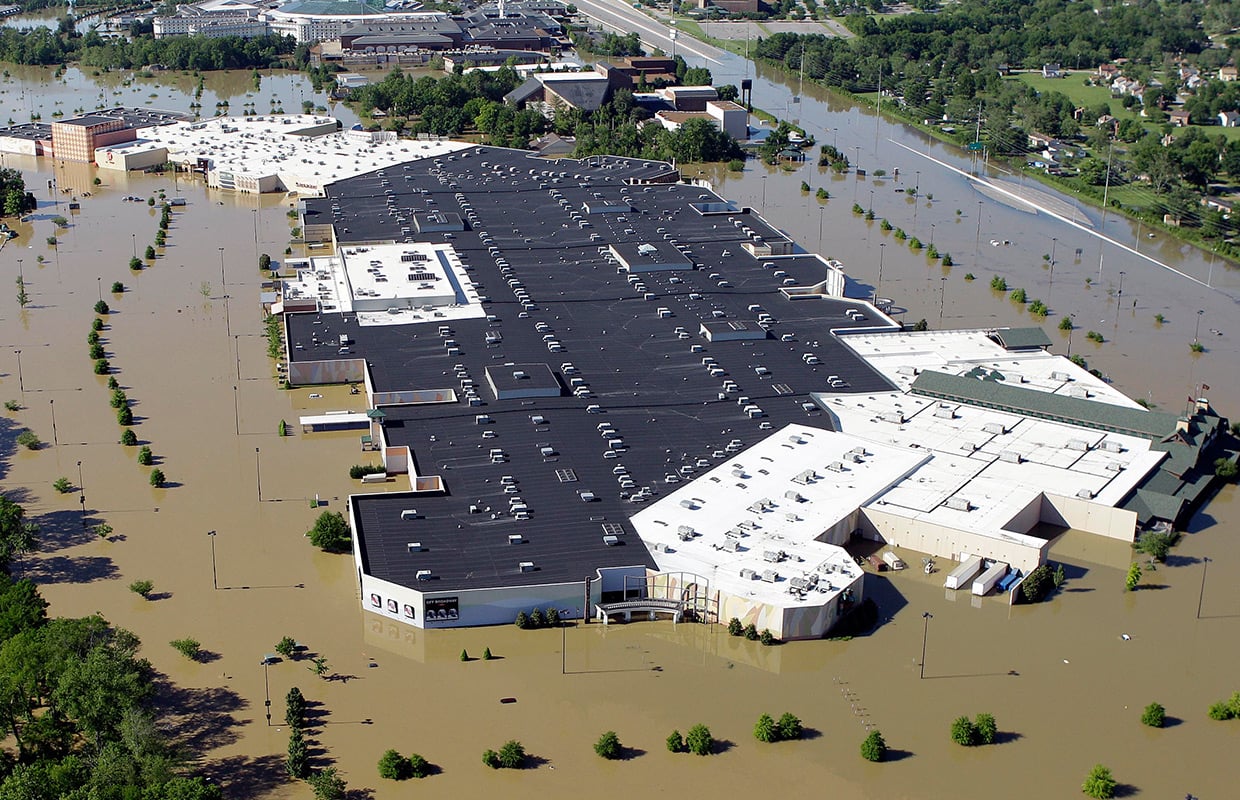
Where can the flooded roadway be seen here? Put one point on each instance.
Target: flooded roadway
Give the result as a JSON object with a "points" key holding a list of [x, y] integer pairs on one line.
{"points": [[1065, 687]]}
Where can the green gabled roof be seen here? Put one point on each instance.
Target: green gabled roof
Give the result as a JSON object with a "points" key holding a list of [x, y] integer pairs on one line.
{"points": [[1044, 405], [1153, 505], [1022, 338]]}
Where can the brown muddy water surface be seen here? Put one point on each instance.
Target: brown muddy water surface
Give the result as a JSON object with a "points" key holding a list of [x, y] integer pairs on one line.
{"points": [[1065, 686]]}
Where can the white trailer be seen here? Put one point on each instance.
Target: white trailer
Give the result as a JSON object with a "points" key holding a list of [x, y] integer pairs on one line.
{"points": [[893, 561], [964, 573], [987, 580]]}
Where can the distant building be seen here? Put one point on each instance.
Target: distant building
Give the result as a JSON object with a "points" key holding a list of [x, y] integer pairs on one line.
{"points": [[731, 6], [1227, 74], [1108, 72], [1229, 119], [688, 98], [212, 19], [322, 20], [1052, 71], [76, 139], [553, 145], [1178, 118], [584, 90]]}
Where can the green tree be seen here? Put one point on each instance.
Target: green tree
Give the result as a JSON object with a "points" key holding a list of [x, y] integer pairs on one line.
{"points": [[790, 727], [1099, 784], [512, 755], [142, 587], [328, 785], [294, 708], [986, 727], [394, 766], [128, 437], [1037, 583], [62, 485], [150, 253], [699, 741], [264, 262], [963, 732], [676, 742], [873, 747], [751, 632], [608, 745], [735, 628], [331, 533], [190, 648], [124, 415], [157, 478], [287, 647], [1133, 577], [145, 458], [28, 439], [1154, 715], [17, 536], [418, 767], [22, 608], [765, 729], [490, 758], [1156, 544]]}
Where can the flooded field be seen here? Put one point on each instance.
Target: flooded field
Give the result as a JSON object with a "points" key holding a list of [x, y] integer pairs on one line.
{"points": [[1064, 683]]}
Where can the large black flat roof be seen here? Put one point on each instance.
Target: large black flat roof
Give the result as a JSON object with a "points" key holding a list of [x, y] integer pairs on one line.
{"points": [[632, 350]]}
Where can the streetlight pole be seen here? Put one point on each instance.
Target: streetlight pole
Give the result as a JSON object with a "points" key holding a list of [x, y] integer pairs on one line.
{"points": [[820, 216], [942, 289], [52, 405], [267, 690], [133, 238], [925, 631], [259, 475], [99, 286], [21, 387], [81, 493], [564, 638], [1072, 317], [1205, 563], [1197, 329], [932, 234], [236, 413], [763, 194], [215, 583], [882, 249], [1119, 295], [222, 284]]}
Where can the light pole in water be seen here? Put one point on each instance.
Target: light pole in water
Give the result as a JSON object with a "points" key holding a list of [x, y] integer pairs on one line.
{"points": [[1205, 563], [564, 638], [214, 580], [81, 493], [21, 387], [1197, 329], [925, 631], [258, 475]]}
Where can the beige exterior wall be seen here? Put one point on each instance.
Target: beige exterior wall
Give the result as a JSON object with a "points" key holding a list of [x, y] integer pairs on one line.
{"points": [[944, 542], [1083, 515]]}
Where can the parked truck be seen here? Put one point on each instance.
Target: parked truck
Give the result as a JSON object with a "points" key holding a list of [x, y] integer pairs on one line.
{"points": [[987, 580], [964, 573]]}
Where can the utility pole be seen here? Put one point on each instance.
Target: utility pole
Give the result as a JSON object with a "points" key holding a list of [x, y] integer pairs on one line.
{"points": [[925, 632]]}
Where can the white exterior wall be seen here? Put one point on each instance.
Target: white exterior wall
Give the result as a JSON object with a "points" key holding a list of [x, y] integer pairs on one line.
{"points": [[1083, 515], [12, 144], [498, 606], [945, 542]]}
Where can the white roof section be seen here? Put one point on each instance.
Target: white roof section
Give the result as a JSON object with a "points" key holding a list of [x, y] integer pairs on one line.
{"points": [[391, 284], [262, 146], [216, 6], [986, 466], [900, 356], [555, 77], [774, 501]]}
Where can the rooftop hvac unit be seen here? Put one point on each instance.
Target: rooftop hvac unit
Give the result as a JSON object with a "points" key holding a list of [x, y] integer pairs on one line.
{"points": [[409, 513], [1085, 494], [770, 576], [526, 566], [1077, 444], [731, 546], [1078, 391], [968, 447], [1060, 376], [945, 413], [1114, 466], [414, 547], [957, 504], [1112, 446], [1010, 456], [836, 466], [892, 416], [516, 538], [748, 573], [423, 575], [996, 428], [794, 496]]}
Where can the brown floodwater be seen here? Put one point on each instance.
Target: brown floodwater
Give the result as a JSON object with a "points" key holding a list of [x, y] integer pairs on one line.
{"points": [[1065, 685]]}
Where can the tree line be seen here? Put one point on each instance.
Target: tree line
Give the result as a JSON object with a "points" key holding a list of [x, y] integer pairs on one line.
{"points": [[456, 104], [77, 700], [42, 46]]}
